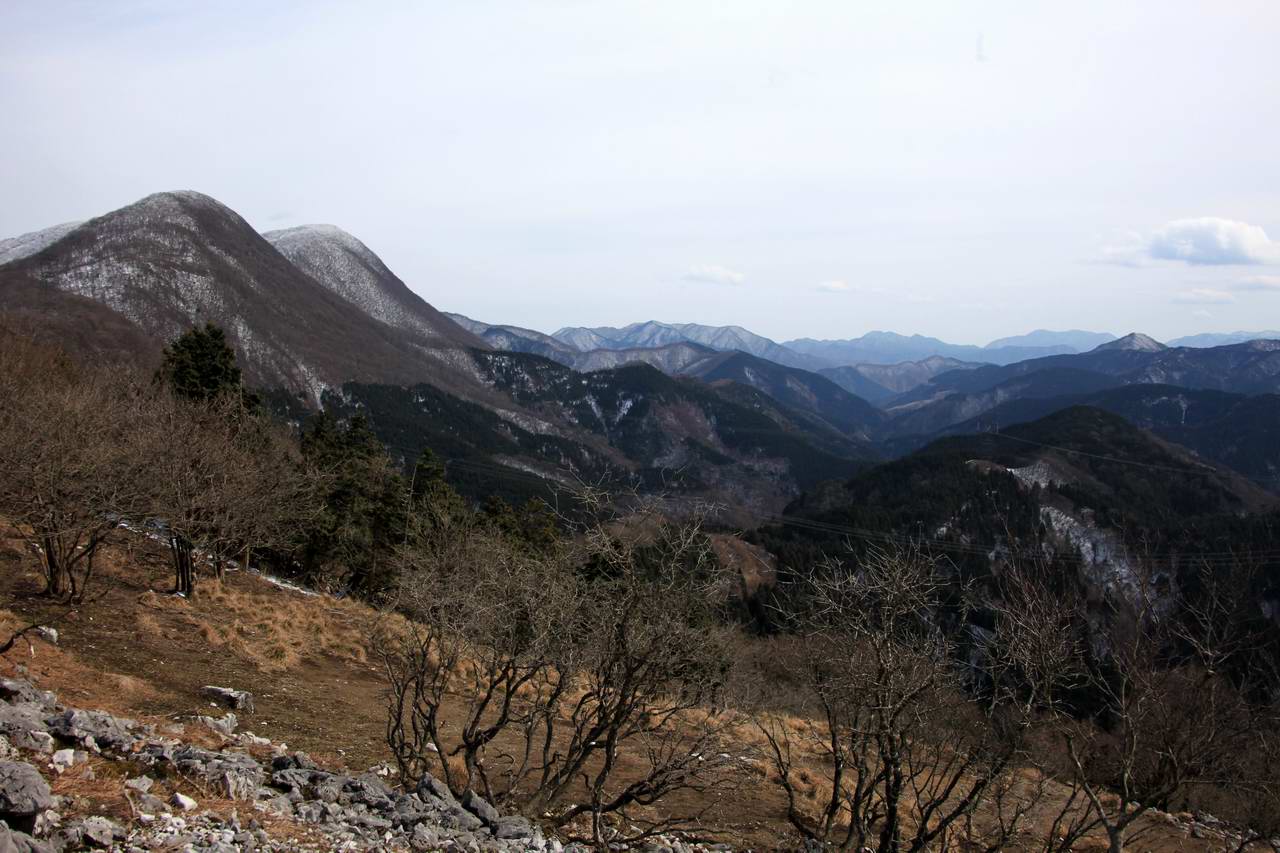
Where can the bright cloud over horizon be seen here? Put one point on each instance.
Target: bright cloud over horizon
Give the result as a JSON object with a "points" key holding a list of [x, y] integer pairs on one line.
{"points": [[551, 163]]}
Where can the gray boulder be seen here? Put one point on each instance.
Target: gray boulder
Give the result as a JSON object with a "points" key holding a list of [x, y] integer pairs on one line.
{"points": [[513, 828], [478, 806], [23, 794], [99, 832], [13, 841], [22, 716], [296, 761], [236, 700], [433, 790], [239, 776], [224, 725], [92, 728], [17, 690]]}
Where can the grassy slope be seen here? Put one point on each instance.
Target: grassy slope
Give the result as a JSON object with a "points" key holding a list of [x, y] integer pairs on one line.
{"points": [[138, 651]]}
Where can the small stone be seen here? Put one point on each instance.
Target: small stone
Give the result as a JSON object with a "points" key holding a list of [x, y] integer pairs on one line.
{"points": [[183, 802], [99, 832], [141, 784], [225, 725], [63, 759], [49, 635], [35, 741]]}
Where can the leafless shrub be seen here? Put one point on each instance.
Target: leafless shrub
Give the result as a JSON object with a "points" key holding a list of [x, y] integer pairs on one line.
{"points": [[589, 676], [224, 479], [1164, 715], [908, 754], [72, 463]]}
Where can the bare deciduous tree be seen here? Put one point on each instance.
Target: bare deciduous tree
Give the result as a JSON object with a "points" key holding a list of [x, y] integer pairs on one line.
{"points": [[887, 714], [225, 479], [589, 676], [1168, 705], [72, 465]]}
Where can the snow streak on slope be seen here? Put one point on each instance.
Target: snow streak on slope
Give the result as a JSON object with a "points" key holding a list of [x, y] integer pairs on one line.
{"points": [[346, 266], [28, 244]]}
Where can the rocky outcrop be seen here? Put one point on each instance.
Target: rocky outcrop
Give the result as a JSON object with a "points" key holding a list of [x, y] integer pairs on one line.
{"points": [[23, 794], [348, 811]]}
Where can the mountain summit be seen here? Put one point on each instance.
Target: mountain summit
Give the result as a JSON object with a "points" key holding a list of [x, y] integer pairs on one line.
{"points": [[346, 266], [1134, 342], [174, 259]]}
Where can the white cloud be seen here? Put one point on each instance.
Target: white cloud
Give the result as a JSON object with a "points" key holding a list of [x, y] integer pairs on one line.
{"points": [[1263, 283], [1204, 296], [1210, 240], [1202, 241], [834, 287], [713, 274]]}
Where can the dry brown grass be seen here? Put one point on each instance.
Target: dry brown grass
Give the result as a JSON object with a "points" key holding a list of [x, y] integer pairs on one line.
{"points": [[246, 620], [310, 660]]}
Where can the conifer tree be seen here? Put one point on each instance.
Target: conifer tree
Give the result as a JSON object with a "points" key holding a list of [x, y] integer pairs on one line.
{"points": [[201, 365]]}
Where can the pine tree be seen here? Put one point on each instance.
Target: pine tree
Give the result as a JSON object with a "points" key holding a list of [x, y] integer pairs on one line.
{"points": [[201, 365]]}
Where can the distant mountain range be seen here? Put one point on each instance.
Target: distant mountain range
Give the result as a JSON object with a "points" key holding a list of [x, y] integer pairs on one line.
{"points": [[1211, 339], [892, 348], [655, 334], [318, 319]]}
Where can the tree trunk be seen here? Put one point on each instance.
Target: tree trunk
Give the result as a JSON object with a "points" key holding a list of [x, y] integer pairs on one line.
{"points": [[184, 572], [56, 577]]}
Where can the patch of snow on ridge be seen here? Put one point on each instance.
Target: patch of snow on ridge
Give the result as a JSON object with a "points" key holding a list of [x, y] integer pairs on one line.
{"points": [[23, 245], [1103, 555], [1037, 473], [349, 268]]}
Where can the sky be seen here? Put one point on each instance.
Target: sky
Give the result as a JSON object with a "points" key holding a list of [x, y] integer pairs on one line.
{"points": [[806, 169]]}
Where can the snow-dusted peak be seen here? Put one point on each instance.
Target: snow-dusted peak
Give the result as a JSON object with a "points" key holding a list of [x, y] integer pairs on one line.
{"points": [[179, 202], [1135, 341], [322, 238], [23, 245], [345, 265]]}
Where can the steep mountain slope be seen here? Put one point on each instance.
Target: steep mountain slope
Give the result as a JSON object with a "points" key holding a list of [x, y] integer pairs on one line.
{"points": [[795, 388], [877, 383], [671, 359], [347, 267], [627, 426], [1233, 430], [655, 334], [1084, 485], [174, 259], [948, 409], [633, 422], [83, 328], [851, 378], [892, 348]]}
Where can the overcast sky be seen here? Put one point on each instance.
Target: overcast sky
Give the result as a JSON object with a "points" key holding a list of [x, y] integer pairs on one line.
{"points": [[964, 170]]}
